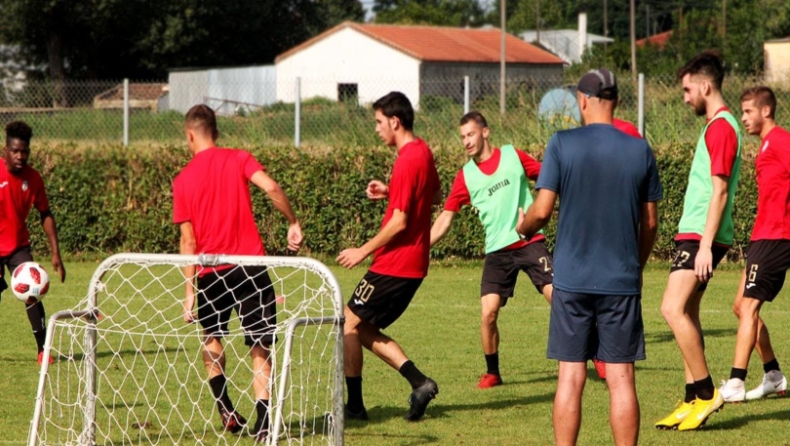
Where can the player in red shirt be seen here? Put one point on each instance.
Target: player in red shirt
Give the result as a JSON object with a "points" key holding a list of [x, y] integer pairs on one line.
{"points": [[400, 259], [626, 127], [768, 255], [21, 189], [503, 259], [213, 209]]}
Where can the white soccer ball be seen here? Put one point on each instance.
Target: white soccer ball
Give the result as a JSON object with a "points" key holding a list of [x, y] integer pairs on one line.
{"points": [[30, 282]]}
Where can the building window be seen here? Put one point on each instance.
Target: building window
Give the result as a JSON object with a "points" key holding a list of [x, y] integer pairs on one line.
{"points": [[348, 93]]}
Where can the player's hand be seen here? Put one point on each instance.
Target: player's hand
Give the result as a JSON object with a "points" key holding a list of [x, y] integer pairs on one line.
{"points": [[521, 217], [351, 257], [295, 237], [703, 264], [377, 190], [57, 266], [189, 305]]}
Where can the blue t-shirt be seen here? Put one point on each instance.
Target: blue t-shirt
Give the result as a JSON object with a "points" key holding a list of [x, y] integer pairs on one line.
{"points": [[602, 176]]}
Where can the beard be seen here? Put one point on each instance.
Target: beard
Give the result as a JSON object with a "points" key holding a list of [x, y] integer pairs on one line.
{"points": [[700, 109]]}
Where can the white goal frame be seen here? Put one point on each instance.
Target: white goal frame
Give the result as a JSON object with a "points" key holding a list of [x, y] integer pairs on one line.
{"points": [[91, 313]]}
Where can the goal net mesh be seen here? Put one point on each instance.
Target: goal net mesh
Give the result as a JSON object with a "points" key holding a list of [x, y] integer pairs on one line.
{"points": [[129, 370]]}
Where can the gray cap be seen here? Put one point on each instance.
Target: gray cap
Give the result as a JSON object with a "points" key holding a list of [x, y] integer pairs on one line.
{"points": [[599, 83]]}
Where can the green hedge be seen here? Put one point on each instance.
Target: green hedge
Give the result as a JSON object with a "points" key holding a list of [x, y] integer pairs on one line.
{"points": [[110, 199]]}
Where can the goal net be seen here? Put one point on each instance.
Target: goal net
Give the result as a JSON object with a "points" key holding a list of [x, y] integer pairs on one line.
{"points": [[129, 370]]}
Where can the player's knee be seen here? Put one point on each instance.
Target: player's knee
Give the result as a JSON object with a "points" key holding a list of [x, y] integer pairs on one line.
{"points": [[670, 312], [489, 316], [749, 309]]}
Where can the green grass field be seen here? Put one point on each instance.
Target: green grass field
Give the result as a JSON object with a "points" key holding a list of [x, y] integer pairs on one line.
{"points": [[440, 333]]}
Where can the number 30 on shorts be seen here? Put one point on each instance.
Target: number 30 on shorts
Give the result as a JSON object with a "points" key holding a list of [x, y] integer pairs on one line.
{"points": [[364, 290]]}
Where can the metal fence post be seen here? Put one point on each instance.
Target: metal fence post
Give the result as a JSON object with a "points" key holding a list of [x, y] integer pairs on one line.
{"points": [[298, 113], [641, 106], [126, 112], [466, 94]]}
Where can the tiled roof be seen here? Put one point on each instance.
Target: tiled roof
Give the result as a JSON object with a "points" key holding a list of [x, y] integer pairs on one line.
{"points": [[444, 44]]}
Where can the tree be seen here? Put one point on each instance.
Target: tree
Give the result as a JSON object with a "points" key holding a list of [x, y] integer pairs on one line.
{"points": [[143, 38], [430, 12]]}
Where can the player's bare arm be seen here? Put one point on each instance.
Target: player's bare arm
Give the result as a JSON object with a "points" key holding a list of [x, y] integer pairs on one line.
{"points": [[377, 190], [703, 263], [441, 226], [51, 229], [188, 246], [648, 229], [352, 257], [280, 201], [538, 214]]}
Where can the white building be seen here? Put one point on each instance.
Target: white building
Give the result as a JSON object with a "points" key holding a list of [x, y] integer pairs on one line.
{"points": [[569, 44], [777, 62], [227, 90], [362, 62]]}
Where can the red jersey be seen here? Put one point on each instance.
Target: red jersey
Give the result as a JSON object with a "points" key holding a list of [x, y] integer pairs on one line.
{"points": [[412, 187], [626, 127], [459, 194], [18, 194], [773, 187], [212, 192], [722, 142]]}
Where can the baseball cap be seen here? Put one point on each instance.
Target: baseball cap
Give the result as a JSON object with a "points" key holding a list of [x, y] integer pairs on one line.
{"points": [[599, 83]]}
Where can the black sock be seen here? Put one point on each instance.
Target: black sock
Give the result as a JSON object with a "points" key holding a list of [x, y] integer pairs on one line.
{"points": [[220, 390], [354, 386], [410, 371], [738, 374], [704, 388], [262, 423], [492, 363], [691, 393], [771, 365], [40, 336]]}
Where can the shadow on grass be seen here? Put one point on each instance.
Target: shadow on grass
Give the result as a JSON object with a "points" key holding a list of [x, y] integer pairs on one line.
{"points": [[380, 414], [668, 336], [405, 440], [737, 423]]}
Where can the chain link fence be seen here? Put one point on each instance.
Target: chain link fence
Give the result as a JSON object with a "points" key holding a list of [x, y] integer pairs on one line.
{"points": [[289, 113]]}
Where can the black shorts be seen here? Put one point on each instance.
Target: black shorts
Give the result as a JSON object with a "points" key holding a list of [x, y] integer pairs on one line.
{"points": [[767, 262], [249, 291], [380, 300], [587, 326], [11, 261], [687, 253], [501, 268]]}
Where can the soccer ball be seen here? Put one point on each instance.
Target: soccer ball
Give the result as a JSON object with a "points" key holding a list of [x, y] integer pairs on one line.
{"points": [[30, 282]]}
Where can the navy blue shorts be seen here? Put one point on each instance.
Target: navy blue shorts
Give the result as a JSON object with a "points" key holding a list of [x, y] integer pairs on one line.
{"points": [[576, 319]]}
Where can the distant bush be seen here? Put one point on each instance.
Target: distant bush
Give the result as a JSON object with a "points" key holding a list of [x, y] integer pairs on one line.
{"points": [[108, 199]]}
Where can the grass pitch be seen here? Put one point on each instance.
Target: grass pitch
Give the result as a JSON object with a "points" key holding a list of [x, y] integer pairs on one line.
{"points": [[440, 332]]}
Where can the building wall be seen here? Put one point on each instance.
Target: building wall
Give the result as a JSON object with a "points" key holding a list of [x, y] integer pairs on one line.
{"points": [[227, 90], [777, 62], [447, 79], [348, 57]]}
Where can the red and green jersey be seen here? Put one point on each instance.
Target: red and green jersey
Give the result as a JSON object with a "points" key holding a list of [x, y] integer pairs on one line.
{"points": [[718, 153], [773, 187], [497, 197]]}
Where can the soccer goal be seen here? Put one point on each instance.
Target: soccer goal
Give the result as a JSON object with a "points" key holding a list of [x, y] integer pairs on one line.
{"points": [[128, 370]]}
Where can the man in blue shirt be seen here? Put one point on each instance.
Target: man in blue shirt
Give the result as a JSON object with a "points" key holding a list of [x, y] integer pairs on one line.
{"points": [[608, 187]]}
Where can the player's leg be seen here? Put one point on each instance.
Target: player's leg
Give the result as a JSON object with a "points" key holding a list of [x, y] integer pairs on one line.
{"points": [[35, 312], [621, 342], [215, 304], [570, 326], [764, 276], [379, 301], [352, 366], [254, 291], [500, 273]]}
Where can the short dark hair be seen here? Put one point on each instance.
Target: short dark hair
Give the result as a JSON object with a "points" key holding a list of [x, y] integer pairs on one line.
{"points": [[396, 104], [762, 97], [201, 117], [18, 130], [475, 116], [707, 63]]}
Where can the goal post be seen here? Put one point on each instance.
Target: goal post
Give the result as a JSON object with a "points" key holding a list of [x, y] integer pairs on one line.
{"points": [[129, 370]]}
